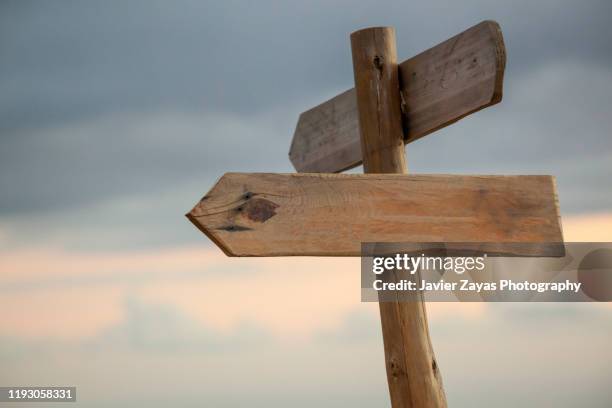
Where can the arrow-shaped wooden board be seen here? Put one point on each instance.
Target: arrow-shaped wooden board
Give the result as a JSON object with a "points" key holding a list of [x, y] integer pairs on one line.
{"points": [[264, 214], [438, 87]]}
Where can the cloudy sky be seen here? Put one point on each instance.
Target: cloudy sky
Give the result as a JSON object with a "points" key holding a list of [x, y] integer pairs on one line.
{"points": [[115, 117]]}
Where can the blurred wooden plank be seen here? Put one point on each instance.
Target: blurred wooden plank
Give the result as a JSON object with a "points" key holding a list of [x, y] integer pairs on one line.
{"points": [[438, 87], [262, 214]]}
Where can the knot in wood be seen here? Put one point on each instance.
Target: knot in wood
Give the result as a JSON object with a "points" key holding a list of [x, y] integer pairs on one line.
{"points": [[259, 209], [378, 62]]}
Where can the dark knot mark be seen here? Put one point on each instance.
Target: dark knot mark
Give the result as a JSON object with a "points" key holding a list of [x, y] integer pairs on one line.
{"points": [[234, 228], [378, 62], [258, 209]]}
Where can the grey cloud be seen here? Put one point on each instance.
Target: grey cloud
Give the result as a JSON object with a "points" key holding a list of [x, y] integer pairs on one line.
{"points": [[357, 328], [524, 351], [103, 103], [83, 163], [159, 328], [532, 355], [63, 61]]}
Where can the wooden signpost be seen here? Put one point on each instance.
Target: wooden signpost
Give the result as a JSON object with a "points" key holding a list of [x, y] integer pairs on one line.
{"points": [[438, 87], [264, 214]]}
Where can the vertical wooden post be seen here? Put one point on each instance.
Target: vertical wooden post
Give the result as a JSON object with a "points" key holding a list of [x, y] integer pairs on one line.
{"points": [[412, 372]]}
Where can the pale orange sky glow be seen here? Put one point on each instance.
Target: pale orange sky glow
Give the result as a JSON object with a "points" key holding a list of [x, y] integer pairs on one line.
{"points": [[72, 295]]}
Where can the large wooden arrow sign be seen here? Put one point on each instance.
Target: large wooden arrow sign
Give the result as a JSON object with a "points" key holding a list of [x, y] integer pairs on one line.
{"points": [[264, 214], [438, 87]]}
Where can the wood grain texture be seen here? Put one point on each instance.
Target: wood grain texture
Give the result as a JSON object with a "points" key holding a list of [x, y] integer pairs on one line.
{"points": [[262, 214], [438, 87], [378, 100], [413, 380]]}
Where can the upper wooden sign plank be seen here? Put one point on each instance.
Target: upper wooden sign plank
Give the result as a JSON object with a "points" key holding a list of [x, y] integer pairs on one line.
{"points": [[438, 87], [266, 214]]}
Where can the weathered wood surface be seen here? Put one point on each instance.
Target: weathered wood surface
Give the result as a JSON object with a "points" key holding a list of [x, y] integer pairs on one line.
{"points": [[262, 214], [438, 87], [378, 100], [412, 372]]}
